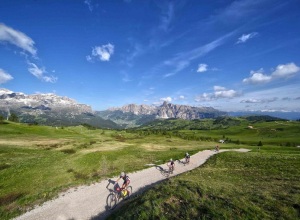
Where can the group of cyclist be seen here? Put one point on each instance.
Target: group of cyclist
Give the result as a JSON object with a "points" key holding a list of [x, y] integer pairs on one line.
{"points": [[126, 179]]}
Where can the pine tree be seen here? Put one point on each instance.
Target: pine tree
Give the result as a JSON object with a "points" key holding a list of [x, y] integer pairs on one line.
{"points": [[13, 117]]}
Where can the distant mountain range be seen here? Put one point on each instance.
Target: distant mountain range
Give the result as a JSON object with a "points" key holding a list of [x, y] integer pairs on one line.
{"points": [[278, 114], [135, 115], [50, 109]]}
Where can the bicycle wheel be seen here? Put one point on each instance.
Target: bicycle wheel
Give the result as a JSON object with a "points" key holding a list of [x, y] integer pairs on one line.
{"points": [[111, 201]]}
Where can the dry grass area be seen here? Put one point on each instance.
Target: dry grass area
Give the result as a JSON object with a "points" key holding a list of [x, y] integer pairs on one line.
{"points": [[29, 142]]}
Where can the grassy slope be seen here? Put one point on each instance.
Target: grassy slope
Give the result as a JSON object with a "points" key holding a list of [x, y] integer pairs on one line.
{"points": [[37, 162], [255, 185]]}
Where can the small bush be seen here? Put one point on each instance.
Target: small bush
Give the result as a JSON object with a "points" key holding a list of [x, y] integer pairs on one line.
{"points": [[81, 176], [68, 151], [4, 166], [92, 142], [11, 197]]}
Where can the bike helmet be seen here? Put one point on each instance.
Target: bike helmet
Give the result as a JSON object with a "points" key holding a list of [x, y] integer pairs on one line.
{"points": [[122, 174], [171, 159]]}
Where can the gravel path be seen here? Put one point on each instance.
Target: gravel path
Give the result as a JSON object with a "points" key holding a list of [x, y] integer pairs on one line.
{"points": [[89, 202]]}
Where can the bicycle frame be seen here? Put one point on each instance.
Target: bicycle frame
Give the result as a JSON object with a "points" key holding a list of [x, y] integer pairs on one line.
{"points": [[116, 194]]}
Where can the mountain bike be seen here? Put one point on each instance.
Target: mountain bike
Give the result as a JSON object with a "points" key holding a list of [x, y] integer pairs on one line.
{"points": [[171, 169], [187, 160], [116, 194]]}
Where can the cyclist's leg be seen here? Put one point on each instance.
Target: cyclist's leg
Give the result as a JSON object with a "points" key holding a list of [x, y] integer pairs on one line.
{"points": [[126, 187]]}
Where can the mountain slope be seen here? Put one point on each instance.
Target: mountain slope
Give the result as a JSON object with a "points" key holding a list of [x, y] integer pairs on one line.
{"points": [[49, 109]]}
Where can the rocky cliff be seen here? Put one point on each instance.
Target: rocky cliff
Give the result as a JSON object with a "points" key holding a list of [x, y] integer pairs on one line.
{"points": [[134, 115], [49, 109]]}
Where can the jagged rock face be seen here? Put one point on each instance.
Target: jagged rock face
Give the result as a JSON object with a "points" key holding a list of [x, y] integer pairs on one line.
{"points": [[39, 103], [168, 110], [136, 109]]}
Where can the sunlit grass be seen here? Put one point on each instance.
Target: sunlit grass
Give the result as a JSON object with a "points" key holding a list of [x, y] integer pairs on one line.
{"points": [[38, 162], [230, 185]]}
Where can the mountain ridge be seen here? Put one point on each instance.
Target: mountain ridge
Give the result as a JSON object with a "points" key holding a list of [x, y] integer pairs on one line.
{"points": [[133, 115], [49, 109]]}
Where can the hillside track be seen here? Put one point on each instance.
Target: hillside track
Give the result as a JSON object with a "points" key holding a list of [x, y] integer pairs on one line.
{"points": [[89, 201]]}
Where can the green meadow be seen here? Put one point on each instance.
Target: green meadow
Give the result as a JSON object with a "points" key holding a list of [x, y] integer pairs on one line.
{"points": [[38, 162]]}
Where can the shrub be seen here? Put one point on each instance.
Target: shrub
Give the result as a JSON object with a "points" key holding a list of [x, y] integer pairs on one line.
{"points": [[68, 151]]}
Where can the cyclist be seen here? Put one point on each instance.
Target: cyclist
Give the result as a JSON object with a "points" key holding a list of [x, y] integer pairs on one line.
{"points": [[187, 157], [126, 182], [171, 165]]}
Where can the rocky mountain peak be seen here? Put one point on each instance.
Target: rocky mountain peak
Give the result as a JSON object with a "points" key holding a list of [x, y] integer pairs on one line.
{"points": [[38, 103], [169, 110]]}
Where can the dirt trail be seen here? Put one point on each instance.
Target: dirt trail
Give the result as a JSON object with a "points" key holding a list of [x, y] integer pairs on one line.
{"points": [[89, 202]]}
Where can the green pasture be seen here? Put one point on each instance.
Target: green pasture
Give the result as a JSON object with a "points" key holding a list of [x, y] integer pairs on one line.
{"points": [[38, 162], [231, 185]]}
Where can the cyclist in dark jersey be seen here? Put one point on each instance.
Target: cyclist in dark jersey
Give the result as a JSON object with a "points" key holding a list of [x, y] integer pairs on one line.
{"points": [[126, 180], [171, 165], [187, 157]]}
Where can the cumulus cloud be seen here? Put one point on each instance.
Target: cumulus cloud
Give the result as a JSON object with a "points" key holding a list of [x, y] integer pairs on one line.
{"points": [[103, 53], [40, 73], [219, 93], [166, 99], [257, 77], [246, 37], [4, 76], [202, 68], [287, 70], [17, 38], [282, 71]]}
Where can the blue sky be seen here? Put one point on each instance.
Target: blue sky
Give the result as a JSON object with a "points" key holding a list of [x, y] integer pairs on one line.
{"points": [[231, 55]]}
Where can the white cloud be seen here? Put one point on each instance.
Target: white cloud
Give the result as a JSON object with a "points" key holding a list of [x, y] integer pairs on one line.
{"points": [[225, 94], [202, 68], [205, 97], [267, 100], [182, 60], [4, 76], [282, 71], [257, 78], [246, 37], [103, 52], [39, 73], [287, 70], [167, 99], [219, 88], [17, 38], [219, 93], [181, 97]]}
